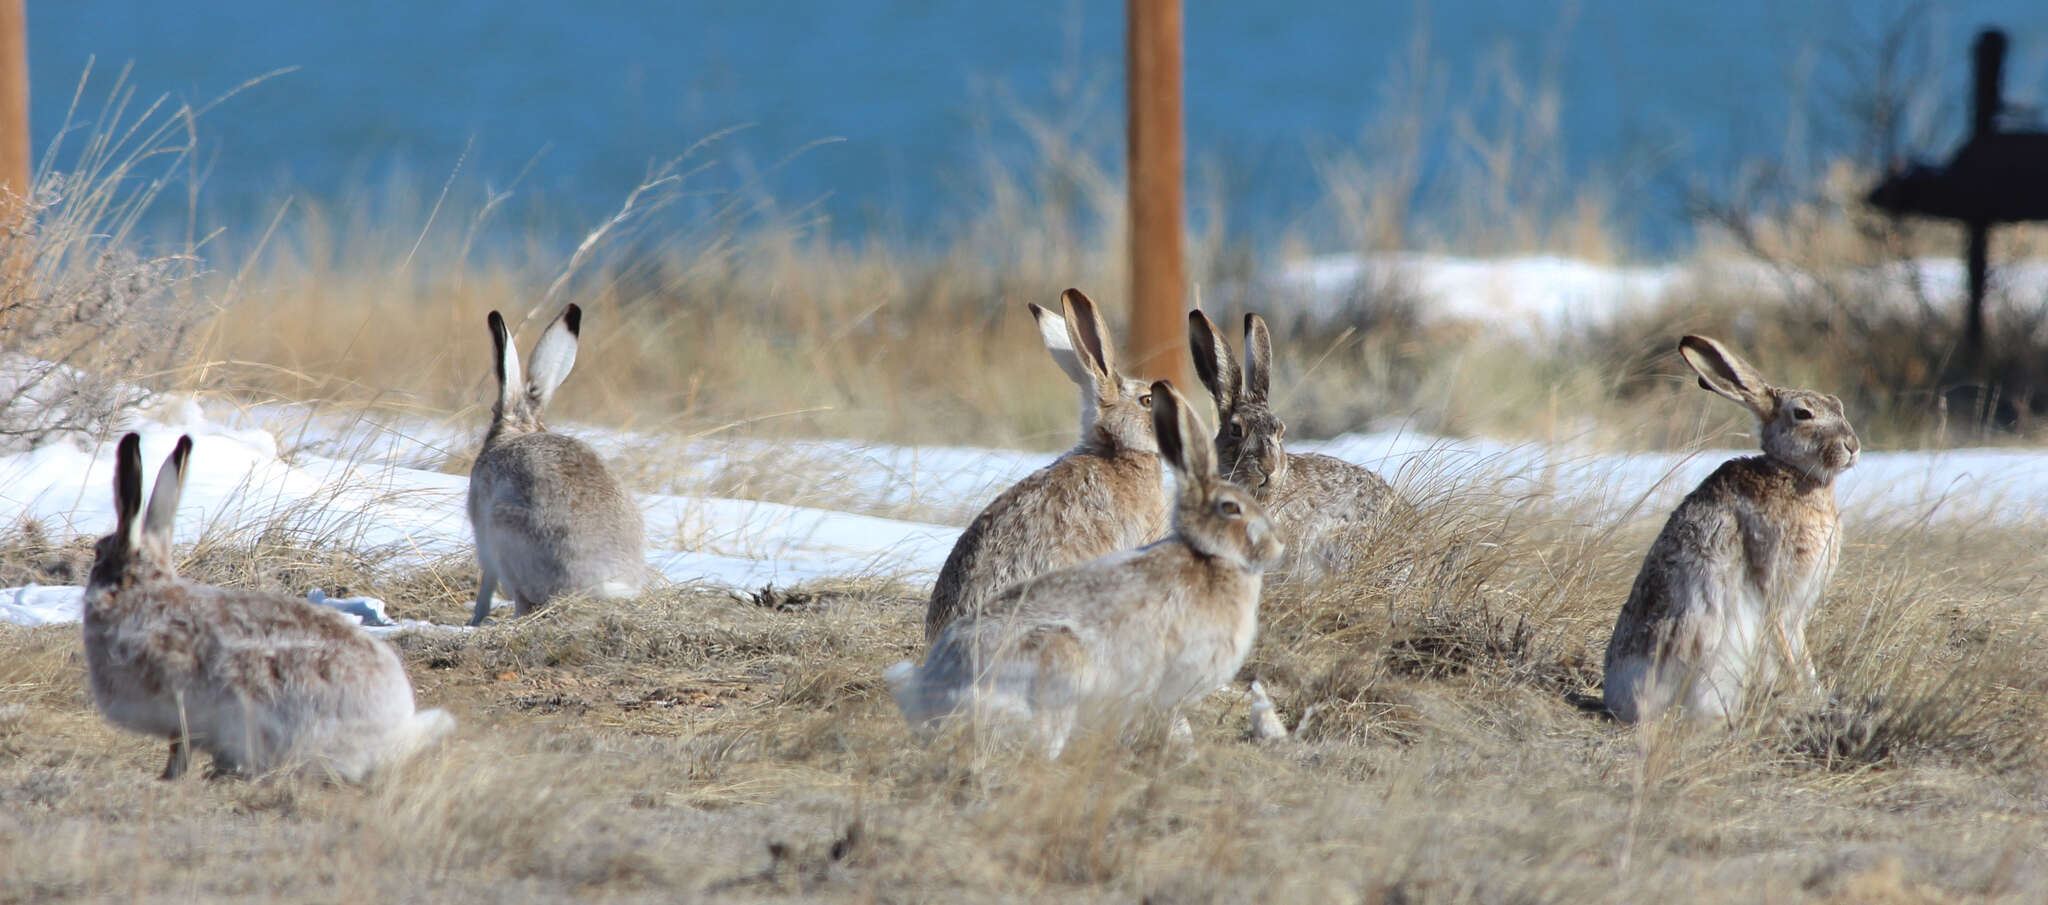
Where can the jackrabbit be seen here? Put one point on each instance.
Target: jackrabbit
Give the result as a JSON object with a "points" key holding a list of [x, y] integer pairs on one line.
{"points": [[550, 519], [1325, 506], [1132, 635], [1724, 594], [256, 680], [1104, 495]]}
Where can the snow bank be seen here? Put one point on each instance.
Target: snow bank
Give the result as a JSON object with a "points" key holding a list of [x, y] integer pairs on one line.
{"points": [[1532, 296]]}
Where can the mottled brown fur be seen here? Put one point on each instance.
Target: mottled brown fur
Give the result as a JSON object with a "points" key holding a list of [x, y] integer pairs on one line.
{"points": [[1104, 495], [1721, 604], [1323, 505]]}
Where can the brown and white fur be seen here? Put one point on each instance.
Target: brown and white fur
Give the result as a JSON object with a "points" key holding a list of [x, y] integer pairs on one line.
{"points": [[1131, 636], [550, 519], [1325, 506], [257, 680], [1104, 495], [1723, 598]]}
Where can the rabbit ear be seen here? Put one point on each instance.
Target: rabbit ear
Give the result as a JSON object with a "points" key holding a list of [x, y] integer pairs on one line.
{"points": [[1258, 358], [506, 359], [553, 356], [1213, 362], [1052, 329], [128, 491], [1183, 441], [1725, 374], [163, 498], [1090, 336]]}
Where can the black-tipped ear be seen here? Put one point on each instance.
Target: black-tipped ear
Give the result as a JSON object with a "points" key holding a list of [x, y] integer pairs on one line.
{"points": [[1214, 365], [1725, 374], [128, 486], [1090, 335], [501, 339], [1258, 358], [1166, 406], [573, 319], [1183, 439], [157, 523]]}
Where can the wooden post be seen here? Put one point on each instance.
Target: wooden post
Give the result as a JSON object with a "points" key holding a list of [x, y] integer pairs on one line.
{"points": [[1155, 161], [16, 166]]}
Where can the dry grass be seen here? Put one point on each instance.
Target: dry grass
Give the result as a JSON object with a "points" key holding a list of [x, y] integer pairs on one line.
{"points": [[697, 744]]}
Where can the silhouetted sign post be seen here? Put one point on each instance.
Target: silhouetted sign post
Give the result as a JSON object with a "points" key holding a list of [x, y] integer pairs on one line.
{"points": [[1155, 161], [1998, 176]]}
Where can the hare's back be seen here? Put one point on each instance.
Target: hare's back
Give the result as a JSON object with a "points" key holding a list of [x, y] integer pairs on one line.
{"points": [[1332, 488], [554, 486], [275, 648]]}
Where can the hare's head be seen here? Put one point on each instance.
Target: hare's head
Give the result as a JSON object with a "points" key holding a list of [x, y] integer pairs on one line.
{"points": [[1248, 434], [1804, 429], [1115, 411], [520, 402], [141, 540], [1212, 515]]}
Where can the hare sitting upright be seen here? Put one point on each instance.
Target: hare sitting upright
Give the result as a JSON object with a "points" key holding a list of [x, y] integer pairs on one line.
{"points": [[1105, 494], [1131, 635], [1325, 506], [1723, 597], [549, 517], [256, 680]]}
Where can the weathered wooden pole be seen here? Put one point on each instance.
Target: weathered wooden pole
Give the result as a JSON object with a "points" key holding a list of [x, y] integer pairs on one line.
{"points": [[16, 166], [1155, 161]]}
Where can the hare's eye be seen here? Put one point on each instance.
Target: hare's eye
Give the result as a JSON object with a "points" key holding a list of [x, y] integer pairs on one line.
{"points": [[1236, 429], [1145, 400], [1230, 508], [1802, 414]]}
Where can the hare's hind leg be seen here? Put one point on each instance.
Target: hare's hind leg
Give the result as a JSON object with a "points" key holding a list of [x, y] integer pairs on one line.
{"points": [[179, 759], [486, 589]]}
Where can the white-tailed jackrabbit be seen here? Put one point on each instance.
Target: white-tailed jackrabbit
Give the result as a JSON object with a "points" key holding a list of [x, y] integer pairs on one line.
{"points": [[256, 680], [1103, 495], [550, 519], [1132, 635], [1323, 505], [1723, 597]]}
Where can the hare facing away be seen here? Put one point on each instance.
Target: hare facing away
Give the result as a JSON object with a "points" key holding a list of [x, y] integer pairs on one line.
{"points": [[1724, 595], [549, 518], [256, 680], [1325, 506], [1104, 495], [1129, 636]]}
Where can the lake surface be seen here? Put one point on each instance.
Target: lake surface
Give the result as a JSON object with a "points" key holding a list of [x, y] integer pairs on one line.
{"points": [[571, 103]]}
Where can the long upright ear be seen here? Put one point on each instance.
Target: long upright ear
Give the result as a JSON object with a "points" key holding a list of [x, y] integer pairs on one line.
{"points": [[1213, 362], [553, 356], [1183, 441], [1090, 336], [1052, 329], [1725, 374], [128, 491], [506, 360], [1258, 358], [163, 498]]}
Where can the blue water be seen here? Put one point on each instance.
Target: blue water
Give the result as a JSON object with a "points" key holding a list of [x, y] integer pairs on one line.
{"points": [[915, 95]]}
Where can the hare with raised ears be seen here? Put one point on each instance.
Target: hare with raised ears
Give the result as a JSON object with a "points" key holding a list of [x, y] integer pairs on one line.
{"points": [[1723, 597], [1104, 495], [550, 519], [256, 680], [1133, 635], [1325, 506]]}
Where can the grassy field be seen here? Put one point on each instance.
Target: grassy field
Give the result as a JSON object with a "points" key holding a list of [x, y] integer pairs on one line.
{"points": [[703, 745]]}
